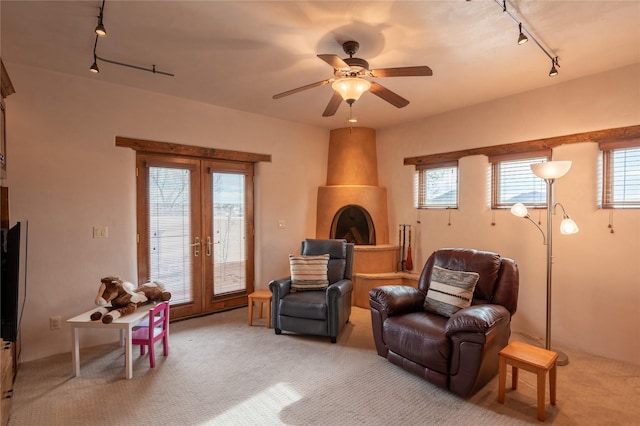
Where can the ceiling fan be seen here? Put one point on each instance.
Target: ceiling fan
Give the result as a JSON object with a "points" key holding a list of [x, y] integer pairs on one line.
{"points": [[349, 83]]}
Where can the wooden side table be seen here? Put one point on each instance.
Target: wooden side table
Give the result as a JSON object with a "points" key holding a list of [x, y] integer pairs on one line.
{"points": [[533, 359], [260, 296]]}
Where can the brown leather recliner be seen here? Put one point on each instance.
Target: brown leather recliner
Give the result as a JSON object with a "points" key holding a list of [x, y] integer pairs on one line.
{"points": [[459, 353]]}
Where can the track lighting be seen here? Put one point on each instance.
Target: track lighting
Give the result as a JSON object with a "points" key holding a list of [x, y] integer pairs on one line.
{"points": [[100, 30], [522, 38], [94, 68], [553, 71]]}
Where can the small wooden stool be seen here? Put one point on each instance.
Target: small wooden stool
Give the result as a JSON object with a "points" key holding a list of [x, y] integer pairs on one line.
{"points": [[533, 359], [260, 296]]}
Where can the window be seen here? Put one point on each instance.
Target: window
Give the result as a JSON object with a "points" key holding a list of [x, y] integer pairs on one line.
{"points": [[437, 186], [621, 174], [514, 182]]}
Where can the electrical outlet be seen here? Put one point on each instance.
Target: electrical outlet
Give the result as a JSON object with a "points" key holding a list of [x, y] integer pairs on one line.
{"points": [[282, 224], [54, 322]]}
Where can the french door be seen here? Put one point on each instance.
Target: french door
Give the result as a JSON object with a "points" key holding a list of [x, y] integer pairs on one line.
{"points": [[195, 231]]}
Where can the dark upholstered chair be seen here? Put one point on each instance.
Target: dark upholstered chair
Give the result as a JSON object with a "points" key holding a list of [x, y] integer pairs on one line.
{"points": [[318, 312], [460, 352]]}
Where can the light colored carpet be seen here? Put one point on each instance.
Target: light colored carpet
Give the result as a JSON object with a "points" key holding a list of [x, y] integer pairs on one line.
{"points": [[222, 372]]}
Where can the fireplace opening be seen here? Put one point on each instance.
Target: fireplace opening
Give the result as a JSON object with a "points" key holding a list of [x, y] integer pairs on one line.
{"points": [[353, 223]]}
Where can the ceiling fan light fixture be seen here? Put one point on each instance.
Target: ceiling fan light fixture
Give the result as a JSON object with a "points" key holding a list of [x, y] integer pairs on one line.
{"points": [[351, 88]]}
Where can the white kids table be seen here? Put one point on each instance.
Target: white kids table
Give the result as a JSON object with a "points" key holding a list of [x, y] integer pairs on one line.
{"points": [[125, 324]]}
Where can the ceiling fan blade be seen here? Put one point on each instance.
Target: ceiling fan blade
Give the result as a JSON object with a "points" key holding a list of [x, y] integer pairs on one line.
{"points": [[335, 61], [333, 105], [402, 72], [300, 89], [389, 96]]}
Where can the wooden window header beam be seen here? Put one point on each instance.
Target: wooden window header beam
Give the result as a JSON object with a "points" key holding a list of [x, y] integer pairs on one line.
{"points": [[153, 147], [607, 135]]}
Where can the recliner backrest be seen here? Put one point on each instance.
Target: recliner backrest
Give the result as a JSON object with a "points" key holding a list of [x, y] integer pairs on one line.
{"points": [[498, 282], [340, 256]]}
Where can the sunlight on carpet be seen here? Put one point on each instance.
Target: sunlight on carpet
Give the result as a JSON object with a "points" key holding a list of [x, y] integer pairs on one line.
{"points": [[263, 408]]}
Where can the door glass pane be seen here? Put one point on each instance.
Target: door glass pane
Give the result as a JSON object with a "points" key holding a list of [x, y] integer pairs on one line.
{"points": [[170, 231], [229, 239]]}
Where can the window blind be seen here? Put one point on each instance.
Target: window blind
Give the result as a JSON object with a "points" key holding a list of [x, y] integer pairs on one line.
{"points": [[437, 185], [514, 182], [170, 230], [621, 174]]}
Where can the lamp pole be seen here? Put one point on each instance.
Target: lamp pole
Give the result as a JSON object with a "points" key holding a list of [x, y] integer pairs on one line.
{"points": [[563, 359], [549, 259]]}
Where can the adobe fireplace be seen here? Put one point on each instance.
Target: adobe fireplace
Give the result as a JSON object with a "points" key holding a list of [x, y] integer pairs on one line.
{"points": [[352, 205]]}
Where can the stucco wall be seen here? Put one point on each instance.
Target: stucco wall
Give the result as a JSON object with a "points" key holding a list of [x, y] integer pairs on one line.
{"points": [[66, 175], [596, 274]]}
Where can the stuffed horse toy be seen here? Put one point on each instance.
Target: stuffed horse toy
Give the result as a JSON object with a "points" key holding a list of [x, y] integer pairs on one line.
{"points": [[125, 298]]}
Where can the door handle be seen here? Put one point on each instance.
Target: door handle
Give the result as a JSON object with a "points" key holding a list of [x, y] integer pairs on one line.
{"points": [[196, 247], [209, 244]]}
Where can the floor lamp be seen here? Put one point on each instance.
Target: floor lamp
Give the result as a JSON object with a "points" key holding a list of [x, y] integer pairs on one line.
{"points": [[550, 171]]}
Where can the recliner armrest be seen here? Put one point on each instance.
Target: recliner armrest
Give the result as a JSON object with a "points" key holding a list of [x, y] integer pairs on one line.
{"points": [[339, 288], [478, 318], [397, 299], [280, 287]]}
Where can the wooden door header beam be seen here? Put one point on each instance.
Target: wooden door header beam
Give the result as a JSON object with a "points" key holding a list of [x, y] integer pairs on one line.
{"points": [[153, 147], [607, 135]]}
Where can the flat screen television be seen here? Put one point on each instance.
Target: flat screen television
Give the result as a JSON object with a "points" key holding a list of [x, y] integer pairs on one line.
{"points": [[10, 283]]}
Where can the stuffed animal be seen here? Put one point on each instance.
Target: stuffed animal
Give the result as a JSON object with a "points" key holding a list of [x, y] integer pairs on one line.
{"points": [[125, 297]]}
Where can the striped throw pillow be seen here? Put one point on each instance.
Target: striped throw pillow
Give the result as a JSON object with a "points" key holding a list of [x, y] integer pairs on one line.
{"points": [[309, 272], [450, 291]]}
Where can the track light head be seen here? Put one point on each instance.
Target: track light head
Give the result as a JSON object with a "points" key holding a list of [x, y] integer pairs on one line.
{"points": [[553, 72], [522, 39], [100, 30], [94, 67]]}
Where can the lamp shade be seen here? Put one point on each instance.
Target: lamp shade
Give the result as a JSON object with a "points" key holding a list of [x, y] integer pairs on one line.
{"points": [[551, 169], [568, 227], [351, 88], [519, 209]]}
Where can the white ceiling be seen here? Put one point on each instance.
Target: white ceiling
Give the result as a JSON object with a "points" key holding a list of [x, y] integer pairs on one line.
{"points": [[238, 54]]}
